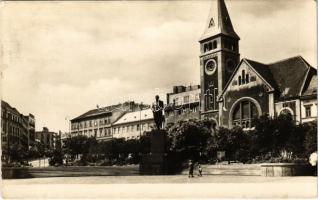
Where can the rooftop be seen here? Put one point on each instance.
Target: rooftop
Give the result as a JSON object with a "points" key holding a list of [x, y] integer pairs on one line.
{"points": [[285, 76], [135, 116], [107, 110]]}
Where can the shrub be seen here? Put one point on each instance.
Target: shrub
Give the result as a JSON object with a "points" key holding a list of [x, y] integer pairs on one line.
{"points": [[56, 158], [310, 141]]}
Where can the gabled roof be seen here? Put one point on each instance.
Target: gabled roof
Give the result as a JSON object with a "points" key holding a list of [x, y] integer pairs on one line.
{"points": [[99, 111], [92, 113], [135, 116], [286, 76], [219, 21], [264, 71], [289, 75], [260, 69], [311, 85]]}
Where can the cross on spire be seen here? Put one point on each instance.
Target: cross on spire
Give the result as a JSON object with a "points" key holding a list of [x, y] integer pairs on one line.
{"points": [[219, 21]]}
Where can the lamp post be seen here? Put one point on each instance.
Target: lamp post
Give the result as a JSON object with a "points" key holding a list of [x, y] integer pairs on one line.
{"points": [[140, 109], [69, 125]]}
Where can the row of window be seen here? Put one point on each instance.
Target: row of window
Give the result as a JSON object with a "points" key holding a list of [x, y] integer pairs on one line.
{"points": [[210, 46], [91, 123], [131, 128], [12, 117], [182, 111], [186, 99], [308, 109], [12, 130], [213, 45], [245, 111], [104, 132], [243, 78]]}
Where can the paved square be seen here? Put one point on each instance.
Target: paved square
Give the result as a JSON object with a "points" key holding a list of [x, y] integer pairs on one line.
{"points": [[178, 186]]}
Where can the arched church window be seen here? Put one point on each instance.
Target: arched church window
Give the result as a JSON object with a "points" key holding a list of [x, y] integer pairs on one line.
{"points": [[205, 47], [240, 80], [247, 79], [243, 76], [244, 113], [232, 46], [215, 44], [287, 111], [210, 46]]}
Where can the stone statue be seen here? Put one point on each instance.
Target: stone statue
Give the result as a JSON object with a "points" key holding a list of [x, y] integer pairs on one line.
{"points": [[157, 110]]}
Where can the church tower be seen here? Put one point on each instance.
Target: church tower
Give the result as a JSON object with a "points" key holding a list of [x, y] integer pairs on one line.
{"points": [[219, 55]]}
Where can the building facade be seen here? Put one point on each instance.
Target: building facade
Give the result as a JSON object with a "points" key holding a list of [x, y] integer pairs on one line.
{"points": [[183, 104], [132, 125], [234, 91], [30, 120], [98, 122], [17, 130], [46, 139]]}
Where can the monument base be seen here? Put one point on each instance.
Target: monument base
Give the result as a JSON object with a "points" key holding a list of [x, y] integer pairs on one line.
{"points": [[154, 163]]}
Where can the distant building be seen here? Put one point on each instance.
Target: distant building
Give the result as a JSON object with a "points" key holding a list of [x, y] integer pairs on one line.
{"points": [[134, 124], [98, 122], [16, 130], [46, 138], [31, 129], [183, 104]]}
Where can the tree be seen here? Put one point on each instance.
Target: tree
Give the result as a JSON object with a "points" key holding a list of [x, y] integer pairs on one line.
{"points": [[56, 158], [17, 152], [235, 142], [189, 137], [78, 145], [310, 140]]}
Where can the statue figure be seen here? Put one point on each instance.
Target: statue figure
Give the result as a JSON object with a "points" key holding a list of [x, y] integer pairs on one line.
{"points": [[157, 110]]}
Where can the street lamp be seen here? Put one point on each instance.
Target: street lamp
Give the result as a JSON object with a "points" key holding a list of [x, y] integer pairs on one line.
{"points": [[140, 109], [69, 125]]}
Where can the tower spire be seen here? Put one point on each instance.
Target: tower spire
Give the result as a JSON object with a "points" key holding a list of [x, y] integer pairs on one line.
{"points": [[219, 21]]}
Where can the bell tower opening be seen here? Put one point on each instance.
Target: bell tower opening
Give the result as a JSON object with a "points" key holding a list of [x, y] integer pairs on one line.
{"points": [[219, 55]]}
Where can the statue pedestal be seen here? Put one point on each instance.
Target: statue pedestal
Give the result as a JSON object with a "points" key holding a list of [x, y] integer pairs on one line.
{"points": [[154, 163]]}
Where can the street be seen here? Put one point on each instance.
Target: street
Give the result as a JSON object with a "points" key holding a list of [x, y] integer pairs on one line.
{"points": [[178, 186]]}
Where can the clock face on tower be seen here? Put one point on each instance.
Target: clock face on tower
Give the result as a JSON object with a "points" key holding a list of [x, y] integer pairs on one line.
{"points": [[210, 67]]}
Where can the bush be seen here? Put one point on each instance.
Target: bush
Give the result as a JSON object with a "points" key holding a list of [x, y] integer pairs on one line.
{"points": [[56, 158], [189, 138], [310, 141]]}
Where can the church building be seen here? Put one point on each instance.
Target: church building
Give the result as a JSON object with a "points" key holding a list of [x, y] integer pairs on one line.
{"points": [[234, 91]]}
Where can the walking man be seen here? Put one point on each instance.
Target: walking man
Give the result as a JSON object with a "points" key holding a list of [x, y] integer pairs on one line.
{"points": [[191, 166]]}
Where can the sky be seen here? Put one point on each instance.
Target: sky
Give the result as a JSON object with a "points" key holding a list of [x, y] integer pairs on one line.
{"points": [[61, 59]]}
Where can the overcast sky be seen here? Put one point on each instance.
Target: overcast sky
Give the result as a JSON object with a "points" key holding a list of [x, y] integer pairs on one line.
{"points": [[61, 59]]}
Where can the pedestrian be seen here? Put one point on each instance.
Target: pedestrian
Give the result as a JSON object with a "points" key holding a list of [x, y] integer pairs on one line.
{"points": [[200, 170], [191, 166]]}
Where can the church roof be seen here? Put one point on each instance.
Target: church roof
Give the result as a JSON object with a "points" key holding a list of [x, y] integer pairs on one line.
{"points": [[311, 84], [219, 21], [264, 71], [312, 88], [286, 76]]}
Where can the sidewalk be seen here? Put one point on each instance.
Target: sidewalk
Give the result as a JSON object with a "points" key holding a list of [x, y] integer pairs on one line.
{"points": [[150, 187]]}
